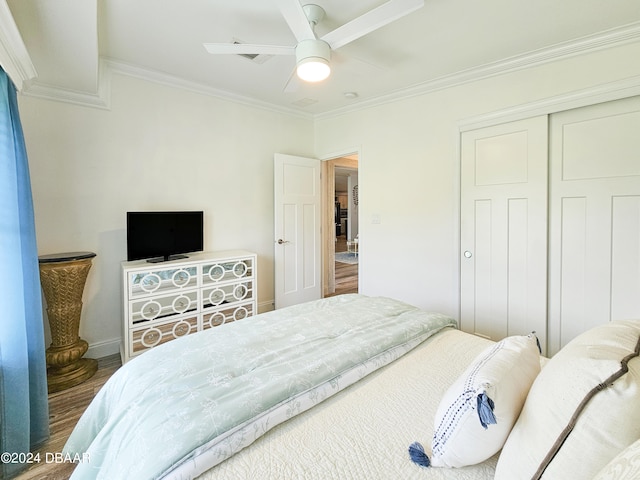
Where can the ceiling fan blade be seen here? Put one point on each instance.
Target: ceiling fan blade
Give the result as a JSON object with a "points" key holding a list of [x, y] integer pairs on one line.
{"points": [[248, 49], [370, 21], [293, 83], [296, 19]]}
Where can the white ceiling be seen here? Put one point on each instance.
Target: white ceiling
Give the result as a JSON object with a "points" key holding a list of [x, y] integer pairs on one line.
{"points": [[444, 39]]}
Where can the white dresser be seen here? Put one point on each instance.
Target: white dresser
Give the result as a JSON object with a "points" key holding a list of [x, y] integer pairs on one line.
{"points": [[164, 301]]}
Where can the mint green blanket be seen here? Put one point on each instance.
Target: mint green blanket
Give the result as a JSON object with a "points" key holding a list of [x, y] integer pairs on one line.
{"points": [[185, 406]]}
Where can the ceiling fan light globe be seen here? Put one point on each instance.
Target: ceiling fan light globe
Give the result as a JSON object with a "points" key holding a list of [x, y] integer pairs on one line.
{"points": [[313, 69]]}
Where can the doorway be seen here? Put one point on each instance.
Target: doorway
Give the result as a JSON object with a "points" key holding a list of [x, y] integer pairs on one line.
{"points": [[341, 226]]}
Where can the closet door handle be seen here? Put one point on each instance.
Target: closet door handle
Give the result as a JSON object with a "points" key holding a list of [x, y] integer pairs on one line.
{"points": [[467, 254]]}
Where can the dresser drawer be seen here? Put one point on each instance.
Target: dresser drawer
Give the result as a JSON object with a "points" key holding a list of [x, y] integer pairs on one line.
{"points": [[156, 333], [221, 272], [216, 317], [228, 293], [152, 308], [156, 281]]}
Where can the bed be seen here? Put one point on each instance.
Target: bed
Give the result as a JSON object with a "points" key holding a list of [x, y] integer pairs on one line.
{"points": [[372, 375]]}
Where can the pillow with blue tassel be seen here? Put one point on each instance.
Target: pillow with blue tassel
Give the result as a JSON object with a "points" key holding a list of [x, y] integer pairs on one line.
{"points": [[478, 411]]}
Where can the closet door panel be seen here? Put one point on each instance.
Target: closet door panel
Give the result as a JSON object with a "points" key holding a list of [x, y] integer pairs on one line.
{"points": [[488, 301], [518, 266], [573, 259], [625, 257], [594, 236], [504, 229]]}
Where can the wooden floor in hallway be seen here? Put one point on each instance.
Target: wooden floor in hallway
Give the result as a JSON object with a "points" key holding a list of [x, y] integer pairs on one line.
{"points": [[346, 274]]}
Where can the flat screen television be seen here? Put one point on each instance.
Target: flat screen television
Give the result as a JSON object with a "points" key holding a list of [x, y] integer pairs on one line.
{"points": [[163, 236]]}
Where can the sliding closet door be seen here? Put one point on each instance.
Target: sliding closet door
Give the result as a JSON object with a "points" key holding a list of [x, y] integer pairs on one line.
{"points": [[504, 229], [594, 218]]}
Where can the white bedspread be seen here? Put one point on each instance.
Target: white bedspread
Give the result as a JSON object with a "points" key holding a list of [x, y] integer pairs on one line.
{"points": [[364, 431]]}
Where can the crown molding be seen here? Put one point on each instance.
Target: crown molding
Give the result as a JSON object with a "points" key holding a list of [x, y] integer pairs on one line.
{"points": [[14, 57], [627, 87], [101, 99], [591, 43], [177, 82]]}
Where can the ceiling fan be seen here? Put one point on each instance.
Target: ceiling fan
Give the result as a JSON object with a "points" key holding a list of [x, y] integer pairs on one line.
{"points": [[313, 54]]}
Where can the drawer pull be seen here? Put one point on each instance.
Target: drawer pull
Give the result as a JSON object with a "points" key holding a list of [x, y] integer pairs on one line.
{"points": [[216, 272], [240, 313], [181, 278], [181, 304], [216, 297], [151, 337], [181, 329], [150, 282], [240, 269], [240, 291], [151, 310], [216, 319]]}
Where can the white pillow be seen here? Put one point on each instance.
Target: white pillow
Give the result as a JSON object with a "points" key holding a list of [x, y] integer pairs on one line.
{"points": [[497, 382], [625, 466], [608, 424]]}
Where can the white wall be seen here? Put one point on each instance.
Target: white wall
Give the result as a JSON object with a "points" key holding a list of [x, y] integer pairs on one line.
{"points": [[163, 148], [156, 148], [408, 170]]}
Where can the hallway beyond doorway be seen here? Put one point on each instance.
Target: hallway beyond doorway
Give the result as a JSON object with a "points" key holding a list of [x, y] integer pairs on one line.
{"points": [[346, 275]]}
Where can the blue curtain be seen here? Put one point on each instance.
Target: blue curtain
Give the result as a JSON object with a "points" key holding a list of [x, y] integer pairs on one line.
{"points": [[24, 409]]}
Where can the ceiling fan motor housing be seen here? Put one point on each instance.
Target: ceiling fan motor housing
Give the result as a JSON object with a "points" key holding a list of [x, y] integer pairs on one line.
{"points": [[312, 59], [313, 48]]}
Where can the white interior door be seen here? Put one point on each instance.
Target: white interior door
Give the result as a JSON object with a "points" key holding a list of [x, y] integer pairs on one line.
{"points": [[594, 218], [503, 269], [297, 201]]}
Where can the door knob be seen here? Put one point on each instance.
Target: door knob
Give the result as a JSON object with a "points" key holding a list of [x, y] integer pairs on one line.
{"points": [[467, 254], [281, 241]]}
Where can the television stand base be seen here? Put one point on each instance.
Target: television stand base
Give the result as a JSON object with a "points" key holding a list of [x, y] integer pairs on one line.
{"points": [[168, 258]]}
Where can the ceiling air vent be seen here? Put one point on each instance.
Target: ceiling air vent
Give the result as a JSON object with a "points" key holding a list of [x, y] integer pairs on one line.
{"points": [[304, 102], [250, 56], [254, 57]]}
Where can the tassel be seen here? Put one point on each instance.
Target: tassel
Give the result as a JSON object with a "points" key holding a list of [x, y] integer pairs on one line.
{"points": [[537, 341], [485, 410], [418, 455]]}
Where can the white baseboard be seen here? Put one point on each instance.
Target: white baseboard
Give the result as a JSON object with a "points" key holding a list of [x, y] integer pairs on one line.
{"points": [[104, 349], [266, 306]]}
